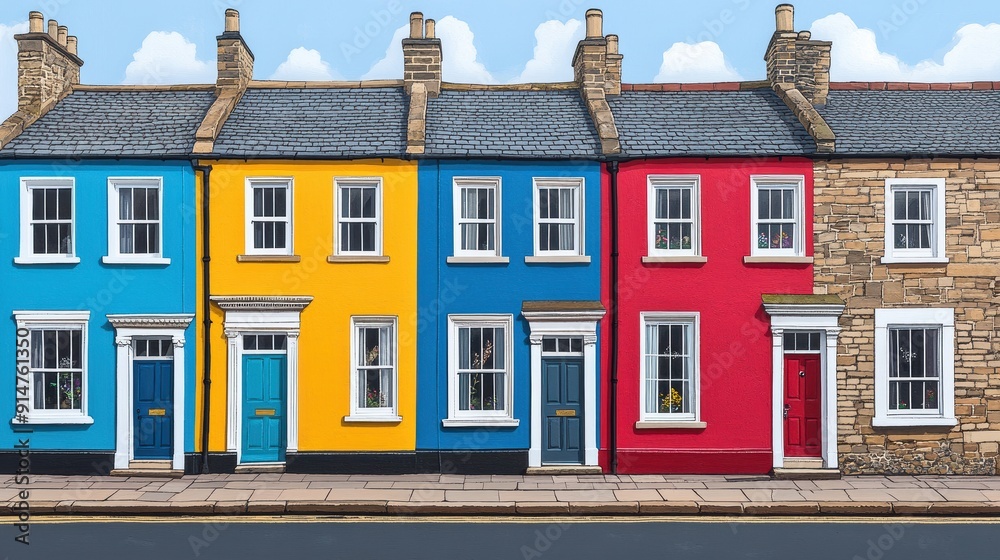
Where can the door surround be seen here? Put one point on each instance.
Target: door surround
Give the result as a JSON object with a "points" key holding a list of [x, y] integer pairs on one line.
{"points": [[811, 313], [260, 315], [564, 319], [127, 328]]}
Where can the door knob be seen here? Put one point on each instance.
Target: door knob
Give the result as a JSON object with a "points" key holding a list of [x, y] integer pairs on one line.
{"points": [[802, 374], [785, 413]]}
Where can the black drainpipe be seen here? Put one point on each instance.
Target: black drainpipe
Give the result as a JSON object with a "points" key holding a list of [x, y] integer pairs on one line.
{"points": [[206, 311], [612, 167]]}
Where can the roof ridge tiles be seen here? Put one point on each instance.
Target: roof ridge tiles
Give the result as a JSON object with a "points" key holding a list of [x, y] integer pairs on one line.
{"points": [[915, 86], [342, 84], [173, 87], [701, 86], [541, 86]]}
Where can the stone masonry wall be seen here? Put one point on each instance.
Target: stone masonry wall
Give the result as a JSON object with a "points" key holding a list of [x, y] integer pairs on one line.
{"points": [[849, 243]]}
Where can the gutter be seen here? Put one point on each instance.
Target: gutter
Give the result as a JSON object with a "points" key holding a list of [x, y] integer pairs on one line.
{"points": [[206, 310], [612, 167]]}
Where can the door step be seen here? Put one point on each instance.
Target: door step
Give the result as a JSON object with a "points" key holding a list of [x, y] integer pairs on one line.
{"points": [[260, 469], [564, 469], [803, 463], [154, 469], [806, 474]]}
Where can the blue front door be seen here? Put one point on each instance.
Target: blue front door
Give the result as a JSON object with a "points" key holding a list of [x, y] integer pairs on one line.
{"points": [[153, 399], [562, 410], [264, 422]]}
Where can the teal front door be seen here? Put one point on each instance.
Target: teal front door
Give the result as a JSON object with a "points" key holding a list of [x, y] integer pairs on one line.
{"points": [[264, 409], [562, 410], [153, 398]]}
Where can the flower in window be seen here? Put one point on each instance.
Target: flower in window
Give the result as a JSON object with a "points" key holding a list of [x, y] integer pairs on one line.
{"points": [[762, 242], [671, 403]]}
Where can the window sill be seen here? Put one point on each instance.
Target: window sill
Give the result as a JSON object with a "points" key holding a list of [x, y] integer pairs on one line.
{"points": [[691, 259], [268, 258], [35, 419], [480, 422], [915, 421], [657, 425], [477, 260], [914, 260], [538, 259], [777, 260], [46, 260], [136, 260], [389, 419], [382, 259]]}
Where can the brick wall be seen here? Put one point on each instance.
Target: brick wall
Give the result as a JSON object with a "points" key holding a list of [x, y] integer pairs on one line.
{"points": [[849, 243]]}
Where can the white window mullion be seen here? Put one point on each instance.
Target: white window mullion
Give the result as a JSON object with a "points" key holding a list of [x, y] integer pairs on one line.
{"points": [[674, 215], [269, 216], [778, 216], [373, 353], [471, 238]]}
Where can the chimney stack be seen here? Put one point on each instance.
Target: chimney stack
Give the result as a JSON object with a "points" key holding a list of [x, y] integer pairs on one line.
{"points": [[597, 71], [47, 68], [422, 56], [235, 62], [795, 59]]}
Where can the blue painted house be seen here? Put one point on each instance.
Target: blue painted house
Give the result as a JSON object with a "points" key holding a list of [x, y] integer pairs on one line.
{"points": [[508, 281], [97, 222]]}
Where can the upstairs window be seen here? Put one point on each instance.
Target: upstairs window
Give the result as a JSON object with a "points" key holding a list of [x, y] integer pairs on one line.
{"points": [[477, 217], [359, 217], [269, 217], [778, 210], [915, 223], [135, 220], [558, 217], [674, 226], [47, 221]]}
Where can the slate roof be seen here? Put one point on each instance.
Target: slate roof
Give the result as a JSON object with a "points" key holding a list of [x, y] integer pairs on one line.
{"points": [[914, 122], [707, 123], [103, 123], [510, 124], [316, 122]]}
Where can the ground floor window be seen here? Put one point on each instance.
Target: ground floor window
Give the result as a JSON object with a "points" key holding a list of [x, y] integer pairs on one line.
{"points": [[374, 366], [51, 366], [669, 368], [480, 367]]}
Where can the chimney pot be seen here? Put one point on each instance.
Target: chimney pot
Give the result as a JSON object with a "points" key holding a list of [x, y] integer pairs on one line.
{"points": [[71, 45], [63, 34], [36, 22], [805, 35], [784, 16], [54, 29], [612, 44], [232, 21], [416, 25], [429, 29], [595, 24]]}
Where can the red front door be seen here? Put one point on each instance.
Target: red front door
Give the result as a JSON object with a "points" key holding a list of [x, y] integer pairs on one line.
{"points": [[802, 405]]}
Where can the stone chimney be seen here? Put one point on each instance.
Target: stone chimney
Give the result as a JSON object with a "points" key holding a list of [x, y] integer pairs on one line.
{"points": [[597, 70], [794, 58], [422, 56], [47, 69], [235, 70]]}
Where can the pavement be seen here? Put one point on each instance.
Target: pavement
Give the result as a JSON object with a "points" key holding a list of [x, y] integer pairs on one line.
{"points": [[502, 495]]}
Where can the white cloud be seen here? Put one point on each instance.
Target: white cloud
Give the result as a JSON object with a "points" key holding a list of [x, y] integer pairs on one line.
{"points": [[305, 64], [459, 51], [697, 62], [8, 67], [856, 56], [168, 58], [555, 43]]}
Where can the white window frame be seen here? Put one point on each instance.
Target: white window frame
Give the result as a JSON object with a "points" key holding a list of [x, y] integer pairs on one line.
{"points": [[340, 183], [58, 320], [655, 182], [936, 254], [577, 185], [27, 254], [942, 318], [671, 419], [464, 418], [799, 242], [289, 219], [475, 255], [115, 256], [382, 414]]}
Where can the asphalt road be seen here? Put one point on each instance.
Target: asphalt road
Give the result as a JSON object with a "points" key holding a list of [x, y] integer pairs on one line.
{"points": [[485, 539]]}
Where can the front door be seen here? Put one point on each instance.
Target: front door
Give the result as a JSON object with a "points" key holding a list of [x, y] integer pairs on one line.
{"points": [[802, 406], [562, 410], [153, 399], [264, 421]]}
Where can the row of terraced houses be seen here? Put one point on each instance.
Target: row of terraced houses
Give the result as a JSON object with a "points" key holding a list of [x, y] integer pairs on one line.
{"points": [[792, 276]]}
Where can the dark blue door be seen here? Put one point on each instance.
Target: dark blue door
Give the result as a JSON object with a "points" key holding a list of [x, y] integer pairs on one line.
{"points": [[154, 409], [562, 410], [264, 408]]}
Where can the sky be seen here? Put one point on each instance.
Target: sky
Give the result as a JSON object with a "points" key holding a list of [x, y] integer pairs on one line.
{"points": [[156, 41]]}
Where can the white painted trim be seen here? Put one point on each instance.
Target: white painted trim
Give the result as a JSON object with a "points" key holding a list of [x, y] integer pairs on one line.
{"points": [[677, 260], [477, 260], [138, 260], [127, 328], [941, 317], [799, 243], [654, 182], [68, 320], [256, 315], [823, 318], [248, 216], [488, 182], [578, 185], [579, 259], [115, 256], [656, 425], [936, 254], [483, 417], [361, 182], [388, 414], [689, 318], [555, 324], [27, 254]]}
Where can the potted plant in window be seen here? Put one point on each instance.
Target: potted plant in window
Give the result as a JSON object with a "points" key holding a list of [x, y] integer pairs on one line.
{"points": [[671, 403]]}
